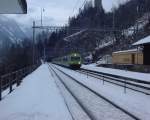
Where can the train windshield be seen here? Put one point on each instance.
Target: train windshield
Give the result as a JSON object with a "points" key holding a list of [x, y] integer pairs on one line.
{"points": [[75, 58]]}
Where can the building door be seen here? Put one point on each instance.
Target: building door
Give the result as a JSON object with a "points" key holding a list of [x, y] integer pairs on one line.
{"points": [[146, 54], [133, 58]]}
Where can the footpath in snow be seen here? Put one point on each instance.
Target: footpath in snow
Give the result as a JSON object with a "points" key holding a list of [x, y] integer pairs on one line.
{"points": [[37, 98], [129, 74]]}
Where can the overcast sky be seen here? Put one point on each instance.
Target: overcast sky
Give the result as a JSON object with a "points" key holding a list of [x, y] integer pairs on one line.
{"points": [[56, 12]]}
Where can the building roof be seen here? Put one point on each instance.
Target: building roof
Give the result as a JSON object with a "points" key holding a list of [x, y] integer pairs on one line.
{"points": [[13, 7], [143, 41]]}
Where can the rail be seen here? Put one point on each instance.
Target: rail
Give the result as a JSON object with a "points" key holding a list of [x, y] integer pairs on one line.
{"points": [[96, 93], [125, 82], [10, 79]]}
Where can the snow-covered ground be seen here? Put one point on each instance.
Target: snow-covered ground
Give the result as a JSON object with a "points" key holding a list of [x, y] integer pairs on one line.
{"points": [[140, 24], [96, 107], [136, 103], [124, 73], [107, 41], [38, 98]]}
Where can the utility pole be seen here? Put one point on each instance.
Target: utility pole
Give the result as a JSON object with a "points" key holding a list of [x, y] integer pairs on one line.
{"points": [[45, 41], [137, 28], [44, 54], [42, 10], [41, 17], [113, 25], [33, 44]]}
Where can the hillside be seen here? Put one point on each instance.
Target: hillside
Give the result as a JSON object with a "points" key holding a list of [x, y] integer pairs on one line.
{"points": [[10, 32], [15, 46], [101, 33]]}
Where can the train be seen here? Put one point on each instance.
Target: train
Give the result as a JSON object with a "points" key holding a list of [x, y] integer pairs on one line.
{"points": [[73, 60]]}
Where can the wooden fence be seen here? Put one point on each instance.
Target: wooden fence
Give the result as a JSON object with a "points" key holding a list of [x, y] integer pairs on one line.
{"points": [[8, 80]]}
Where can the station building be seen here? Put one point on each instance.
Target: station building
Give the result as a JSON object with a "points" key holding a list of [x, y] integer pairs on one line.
{"points": [[145, 43], [138, 56]]}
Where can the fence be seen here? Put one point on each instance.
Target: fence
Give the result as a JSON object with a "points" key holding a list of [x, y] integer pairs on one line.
{"points": [[10, 79]]}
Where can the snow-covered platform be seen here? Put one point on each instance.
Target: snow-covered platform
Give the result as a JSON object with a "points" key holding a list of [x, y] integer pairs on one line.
{"points": [[123, 73], [37, 98]]}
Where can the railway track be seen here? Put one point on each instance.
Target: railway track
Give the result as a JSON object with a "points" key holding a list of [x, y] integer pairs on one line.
{"points": [[95, 105], [66, 94], [126, 83]]}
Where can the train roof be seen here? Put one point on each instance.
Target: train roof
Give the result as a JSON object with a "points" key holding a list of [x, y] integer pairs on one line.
{"points": [[71, 54], [75, 54], [143, 41]]}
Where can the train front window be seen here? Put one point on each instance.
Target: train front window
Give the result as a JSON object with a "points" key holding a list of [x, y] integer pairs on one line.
{"points": [[75, 58]]}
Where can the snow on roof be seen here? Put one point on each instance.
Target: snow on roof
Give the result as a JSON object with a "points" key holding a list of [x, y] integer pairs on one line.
{"points": [[143, 41], [124, 51]]}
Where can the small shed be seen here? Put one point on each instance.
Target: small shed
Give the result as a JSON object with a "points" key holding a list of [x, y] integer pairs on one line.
{"points": [[145, 42]]}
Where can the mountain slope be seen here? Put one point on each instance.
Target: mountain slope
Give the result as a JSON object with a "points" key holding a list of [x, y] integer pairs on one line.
{"points": [[10, 32]]}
